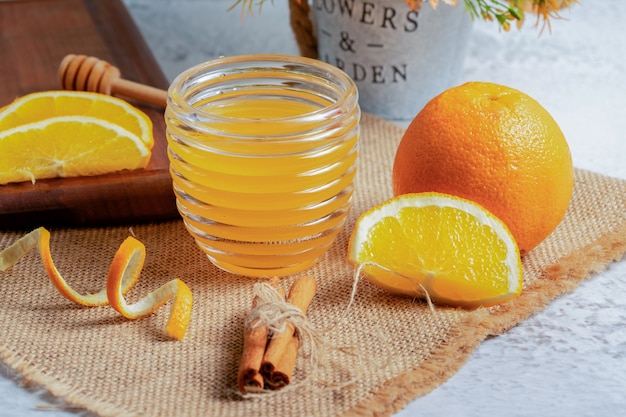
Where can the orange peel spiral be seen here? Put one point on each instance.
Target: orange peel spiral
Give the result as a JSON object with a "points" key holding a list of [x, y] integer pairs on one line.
{"points": [[123, 273]]}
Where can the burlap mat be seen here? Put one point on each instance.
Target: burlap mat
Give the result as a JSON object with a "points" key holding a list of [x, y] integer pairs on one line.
{"points": [[385, 353]]}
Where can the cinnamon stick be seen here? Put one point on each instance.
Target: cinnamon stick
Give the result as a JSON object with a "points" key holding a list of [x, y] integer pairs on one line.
{"points": [[268, 360], [249, 379], [280, 354], [255, 338], [281, 375]]}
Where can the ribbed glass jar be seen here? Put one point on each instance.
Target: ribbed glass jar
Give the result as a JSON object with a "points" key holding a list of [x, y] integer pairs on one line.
{"points": [[263, 153]]}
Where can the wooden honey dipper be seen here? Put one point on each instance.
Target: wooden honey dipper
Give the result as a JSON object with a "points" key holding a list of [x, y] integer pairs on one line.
{"points": [[87, 73]]}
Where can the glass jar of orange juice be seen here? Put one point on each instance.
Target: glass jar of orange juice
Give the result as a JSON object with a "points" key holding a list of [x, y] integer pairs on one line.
{"points": [[263, 153]]}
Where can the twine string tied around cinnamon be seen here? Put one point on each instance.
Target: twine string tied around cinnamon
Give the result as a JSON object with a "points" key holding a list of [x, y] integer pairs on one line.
{"points": [[274, 312]]}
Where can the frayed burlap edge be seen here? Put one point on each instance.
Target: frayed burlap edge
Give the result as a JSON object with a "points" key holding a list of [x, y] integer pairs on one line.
{"points": [[557, 280], [36, 379]]}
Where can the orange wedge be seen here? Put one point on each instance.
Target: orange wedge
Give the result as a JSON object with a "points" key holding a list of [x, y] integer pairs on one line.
{"points": [[123, 274], [46, 104], [68, 146], [452, 249]]}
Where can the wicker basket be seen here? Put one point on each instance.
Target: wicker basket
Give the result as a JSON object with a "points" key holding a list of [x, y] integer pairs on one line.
{"points": [[303, 28]]}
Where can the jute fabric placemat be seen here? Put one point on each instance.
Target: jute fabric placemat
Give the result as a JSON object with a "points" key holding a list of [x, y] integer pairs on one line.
{"points": [[385, 352]]}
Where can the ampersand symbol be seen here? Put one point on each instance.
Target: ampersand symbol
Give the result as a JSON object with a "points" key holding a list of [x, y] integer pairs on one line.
{"points": [[346, 43]]}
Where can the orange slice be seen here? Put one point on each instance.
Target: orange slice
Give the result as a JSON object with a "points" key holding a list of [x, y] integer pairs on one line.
{"points": [[453, 249], [46, 104], [123, 274], [68, 146]]}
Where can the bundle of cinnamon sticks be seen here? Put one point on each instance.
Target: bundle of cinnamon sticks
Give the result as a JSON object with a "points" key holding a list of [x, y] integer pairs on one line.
{"points": [[268, 359]]}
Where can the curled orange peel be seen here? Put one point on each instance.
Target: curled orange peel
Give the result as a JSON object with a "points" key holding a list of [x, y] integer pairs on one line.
{"points": [[125, 270], [123, 274]]}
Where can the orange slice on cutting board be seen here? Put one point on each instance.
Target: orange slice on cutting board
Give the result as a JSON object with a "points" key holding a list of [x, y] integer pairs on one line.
{"points": [[42, 105], [68, 146]]}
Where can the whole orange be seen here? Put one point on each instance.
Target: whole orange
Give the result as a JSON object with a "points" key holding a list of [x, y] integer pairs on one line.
{"points": [[493, 145]]}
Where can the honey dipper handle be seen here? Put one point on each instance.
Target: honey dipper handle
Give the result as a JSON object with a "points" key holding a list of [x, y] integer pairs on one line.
{"points": [[85, 73], [141, 92]]}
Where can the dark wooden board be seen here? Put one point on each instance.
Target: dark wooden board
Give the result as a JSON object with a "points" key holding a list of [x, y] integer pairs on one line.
{"points": [[35, 35]]}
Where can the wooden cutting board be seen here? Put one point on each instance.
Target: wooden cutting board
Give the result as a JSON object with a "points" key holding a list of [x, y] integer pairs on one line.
{"points": [[35, 35]]}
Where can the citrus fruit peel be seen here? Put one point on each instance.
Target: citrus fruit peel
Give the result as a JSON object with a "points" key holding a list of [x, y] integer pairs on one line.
{"points": [[453, 249], [125, 268], [123, 274]]}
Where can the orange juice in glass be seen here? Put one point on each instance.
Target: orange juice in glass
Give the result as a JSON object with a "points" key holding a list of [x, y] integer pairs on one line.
{"points": [[263, 155]]}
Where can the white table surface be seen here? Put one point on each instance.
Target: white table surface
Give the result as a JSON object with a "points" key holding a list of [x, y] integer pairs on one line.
{"points": [[568, 360]]}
